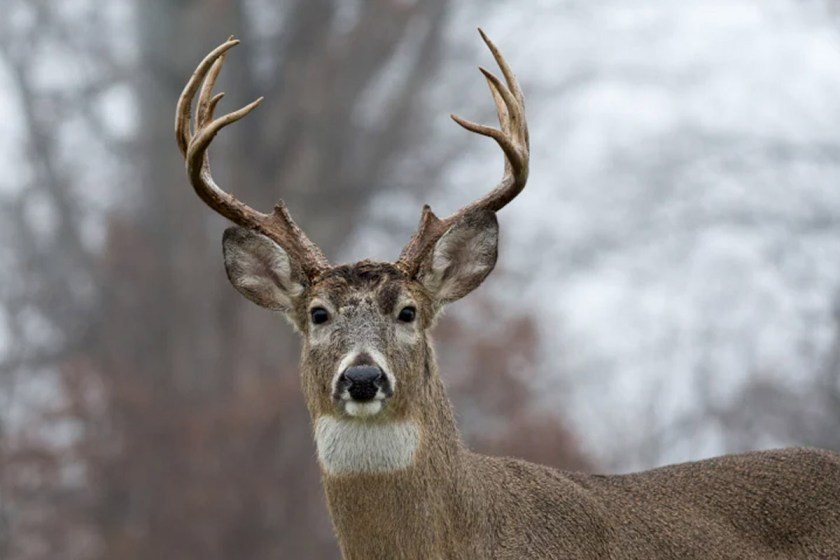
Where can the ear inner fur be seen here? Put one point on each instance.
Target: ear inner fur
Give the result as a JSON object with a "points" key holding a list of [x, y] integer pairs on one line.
{"points": [[261, 270], [462, 257]]}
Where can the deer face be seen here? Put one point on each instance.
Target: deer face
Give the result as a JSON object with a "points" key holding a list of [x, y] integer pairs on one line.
{"points": [[365, 326], [366, 352], [364, 330]]}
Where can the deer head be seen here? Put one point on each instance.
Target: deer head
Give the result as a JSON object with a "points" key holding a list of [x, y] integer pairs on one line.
{"points": [[366, 347]]}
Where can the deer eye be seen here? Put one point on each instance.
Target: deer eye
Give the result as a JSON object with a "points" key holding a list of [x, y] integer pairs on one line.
{"points": [[407, 314], [319, 315]]}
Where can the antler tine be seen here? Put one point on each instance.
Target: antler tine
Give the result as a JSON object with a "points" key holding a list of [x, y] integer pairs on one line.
{"points": [[206, 100], [183, 132], [510, 78], [512, 138], [194, 144]]}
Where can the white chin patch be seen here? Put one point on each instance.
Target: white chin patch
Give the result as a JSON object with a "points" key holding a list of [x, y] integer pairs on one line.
{"points": [[347, 446], [362, 409]]}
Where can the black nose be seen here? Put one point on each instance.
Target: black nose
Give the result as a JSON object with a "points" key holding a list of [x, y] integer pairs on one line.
{"points": [[363, 374], [363, 381]]}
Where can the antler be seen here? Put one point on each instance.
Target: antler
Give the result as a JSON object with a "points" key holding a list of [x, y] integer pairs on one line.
{"points": [[512, 138], [278, 225]]}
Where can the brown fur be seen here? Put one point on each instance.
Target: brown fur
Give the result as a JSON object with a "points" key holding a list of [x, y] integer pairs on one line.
{"points": [[455, 504]]}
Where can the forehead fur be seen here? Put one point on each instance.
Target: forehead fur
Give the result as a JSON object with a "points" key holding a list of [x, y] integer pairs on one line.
{"points": [[363, 274], [381, 282]]}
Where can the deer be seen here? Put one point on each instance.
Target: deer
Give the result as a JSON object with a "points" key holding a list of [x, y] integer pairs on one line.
{"points": [[399, 482]]}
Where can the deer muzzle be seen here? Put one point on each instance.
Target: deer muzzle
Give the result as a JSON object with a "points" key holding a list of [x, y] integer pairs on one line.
{"points": [[362, 386]]}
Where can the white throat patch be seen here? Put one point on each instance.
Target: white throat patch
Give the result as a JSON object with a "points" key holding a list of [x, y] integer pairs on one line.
{"points": [[348, 446]]}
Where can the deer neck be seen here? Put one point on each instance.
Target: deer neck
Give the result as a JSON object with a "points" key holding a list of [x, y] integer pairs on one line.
{"points": [[386, 496]]}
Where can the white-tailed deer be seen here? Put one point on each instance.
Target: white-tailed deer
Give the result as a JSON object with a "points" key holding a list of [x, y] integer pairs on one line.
{"points": [[399, 482]]}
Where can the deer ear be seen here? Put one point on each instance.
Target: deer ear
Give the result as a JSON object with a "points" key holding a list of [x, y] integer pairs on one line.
{"points": [[462, 258], [261, 270]]}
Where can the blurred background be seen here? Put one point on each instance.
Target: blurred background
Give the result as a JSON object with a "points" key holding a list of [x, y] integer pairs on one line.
{"points": [[668, 285]]}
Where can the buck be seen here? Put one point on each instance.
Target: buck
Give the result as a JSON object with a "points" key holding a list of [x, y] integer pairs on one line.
{"points": [[398, 480]]}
